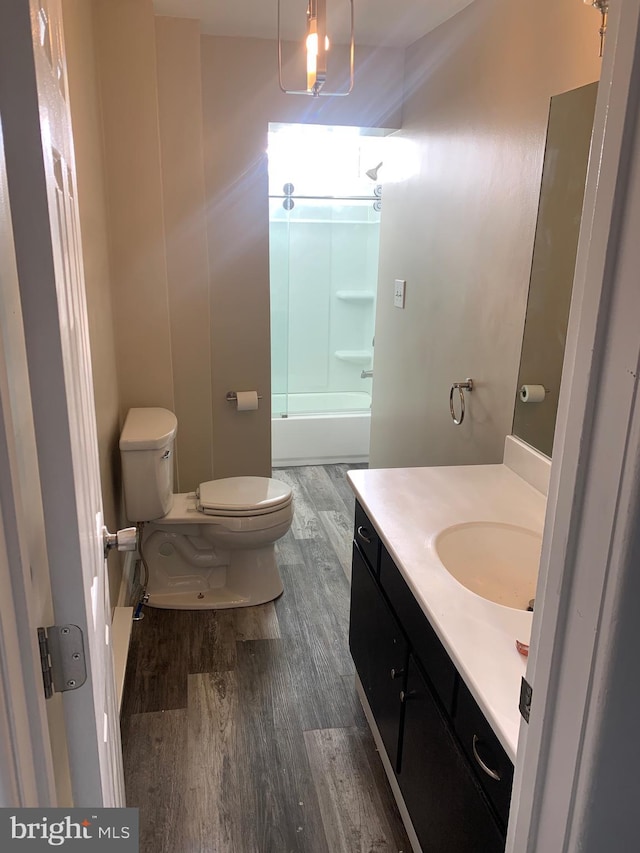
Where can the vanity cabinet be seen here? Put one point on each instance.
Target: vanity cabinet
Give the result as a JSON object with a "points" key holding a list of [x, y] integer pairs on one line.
{"points": [[380, 651], [453, 774], [367, 539], [484, 751], [439, 788], [423, 639]]}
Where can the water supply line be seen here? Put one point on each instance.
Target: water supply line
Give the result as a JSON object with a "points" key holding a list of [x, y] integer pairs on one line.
{"points": [[144, 597]]}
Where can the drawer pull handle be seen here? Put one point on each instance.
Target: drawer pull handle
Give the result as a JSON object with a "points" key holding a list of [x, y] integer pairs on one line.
{"points": [[491, 773], [404, 695], [396, 673], [362, 533]]}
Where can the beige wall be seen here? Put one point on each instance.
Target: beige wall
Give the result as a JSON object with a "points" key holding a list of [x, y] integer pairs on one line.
{"points": [[240, 98], [180, 115], [126, 57], [85, 115], [460, 231], [185, 123]]}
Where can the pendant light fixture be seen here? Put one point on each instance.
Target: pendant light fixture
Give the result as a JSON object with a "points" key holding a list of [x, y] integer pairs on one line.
{"points": [[603, 7], [317, 47]]}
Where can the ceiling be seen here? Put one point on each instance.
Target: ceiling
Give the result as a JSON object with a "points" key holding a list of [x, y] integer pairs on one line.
{"points": [[391, 23]]}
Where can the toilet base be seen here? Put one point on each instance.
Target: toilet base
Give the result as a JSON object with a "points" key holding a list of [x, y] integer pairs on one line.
{"points": [[251, 577], [213, 599]]}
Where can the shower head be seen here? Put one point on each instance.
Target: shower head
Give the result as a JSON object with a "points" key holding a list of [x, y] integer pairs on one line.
{"points": [[373, 173]]}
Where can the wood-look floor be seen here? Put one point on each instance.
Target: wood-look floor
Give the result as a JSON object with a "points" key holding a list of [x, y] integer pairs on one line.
{"points": [[242, 731]]}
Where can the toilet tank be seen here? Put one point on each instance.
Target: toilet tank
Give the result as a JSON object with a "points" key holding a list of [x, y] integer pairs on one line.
{"points": [[146, 453]]}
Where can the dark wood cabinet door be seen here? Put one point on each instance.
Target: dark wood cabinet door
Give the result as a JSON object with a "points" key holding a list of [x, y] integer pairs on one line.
{"points": [[447, 806], [424, 642], [379, 651], [365, 534]]}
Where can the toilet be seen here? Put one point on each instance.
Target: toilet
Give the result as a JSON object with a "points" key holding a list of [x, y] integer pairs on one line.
{"points": [[209, 549]]}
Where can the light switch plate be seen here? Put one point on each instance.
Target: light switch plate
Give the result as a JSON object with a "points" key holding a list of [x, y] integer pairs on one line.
{"points": [[399, 289]]}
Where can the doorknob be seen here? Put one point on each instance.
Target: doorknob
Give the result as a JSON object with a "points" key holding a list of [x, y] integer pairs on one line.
{"points": [[124, 540]]}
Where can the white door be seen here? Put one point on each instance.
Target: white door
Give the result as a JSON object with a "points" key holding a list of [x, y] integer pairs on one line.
{"points": [[25, 601], [41, 188]]}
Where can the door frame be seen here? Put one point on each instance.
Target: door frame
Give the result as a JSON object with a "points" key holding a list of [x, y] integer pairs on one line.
{"points": [[591, 507], [38, 150], [591, 522]]}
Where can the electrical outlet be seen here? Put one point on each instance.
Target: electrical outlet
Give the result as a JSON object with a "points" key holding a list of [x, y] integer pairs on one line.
{"points": [[399, 289]]}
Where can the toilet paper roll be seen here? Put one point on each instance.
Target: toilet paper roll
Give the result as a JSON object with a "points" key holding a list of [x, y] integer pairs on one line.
{"points": [[532, 393], [247, 401]]}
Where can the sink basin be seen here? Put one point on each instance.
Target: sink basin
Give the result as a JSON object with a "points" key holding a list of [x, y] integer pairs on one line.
{"points": [[496, 561]]}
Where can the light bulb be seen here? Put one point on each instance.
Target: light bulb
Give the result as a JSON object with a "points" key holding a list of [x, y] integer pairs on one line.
{"points": [[312, 54], [312, 43]]}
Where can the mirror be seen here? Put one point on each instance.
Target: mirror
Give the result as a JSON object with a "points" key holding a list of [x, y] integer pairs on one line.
{"points": [[554, 256]]}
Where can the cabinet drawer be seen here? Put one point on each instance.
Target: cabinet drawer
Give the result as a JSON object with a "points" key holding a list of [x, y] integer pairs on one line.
{"points": [[424, 641], [483, 748], [368, 540]]}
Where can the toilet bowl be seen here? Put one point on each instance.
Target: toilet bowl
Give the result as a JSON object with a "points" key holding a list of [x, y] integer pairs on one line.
{"points": [[209, 549]]}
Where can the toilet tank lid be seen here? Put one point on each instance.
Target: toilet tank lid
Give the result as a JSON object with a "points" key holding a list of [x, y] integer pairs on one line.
{"points": [[148, 429], [243, 494]]}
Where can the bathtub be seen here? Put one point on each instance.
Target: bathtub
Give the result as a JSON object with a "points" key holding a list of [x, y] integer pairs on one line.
{"points": [[321, 429]]}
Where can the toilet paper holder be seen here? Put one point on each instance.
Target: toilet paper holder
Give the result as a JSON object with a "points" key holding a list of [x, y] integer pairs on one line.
{"points": [[532, 393], [231, 396], [462, 387]]}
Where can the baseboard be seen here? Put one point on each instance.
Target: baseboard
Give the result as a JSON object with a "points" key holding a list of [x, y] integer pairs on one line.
{"points": [[388, 769], [126, 584], [121, 625]]}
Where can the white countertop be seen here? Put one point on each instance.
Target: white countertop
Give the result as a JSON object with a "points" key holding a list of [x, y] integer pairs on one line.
{"points": [[409, 507]]}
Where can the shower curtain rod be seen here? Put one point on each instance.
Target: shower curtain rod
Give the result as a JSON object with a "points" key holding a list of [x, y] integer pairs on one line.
{"points": [[330, 197]]}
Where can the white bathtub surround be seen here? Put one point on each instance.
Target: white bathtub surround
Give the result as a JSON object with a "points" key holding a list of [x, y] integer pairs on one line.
{"points": [[322, 402], [410, 507], [320, 439]]}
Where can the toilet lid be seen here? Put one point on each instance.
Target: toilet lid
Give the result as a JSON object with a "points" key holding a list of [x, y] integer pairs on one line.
{"points": [[243, 496]]}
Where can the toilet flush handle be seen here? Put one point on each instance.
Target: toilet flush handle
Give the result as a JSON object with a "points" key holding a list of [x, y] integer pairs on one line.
{"points": [[124, 540]]}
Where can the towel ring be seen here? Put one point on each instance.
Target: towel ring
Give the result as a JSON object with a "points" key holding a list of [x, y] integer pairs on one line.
{"points": [[462, 387]]}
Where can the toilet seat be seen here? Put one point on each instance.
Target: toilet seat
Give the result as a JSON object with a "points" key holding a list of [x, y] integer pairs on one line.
{"points": [[238, 497], [185, 514]]}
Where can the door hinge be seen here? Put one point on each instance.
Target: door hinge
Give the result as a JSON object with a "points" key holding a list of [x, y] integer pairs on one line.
{"points": [[526, 694], [62, 658]]}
